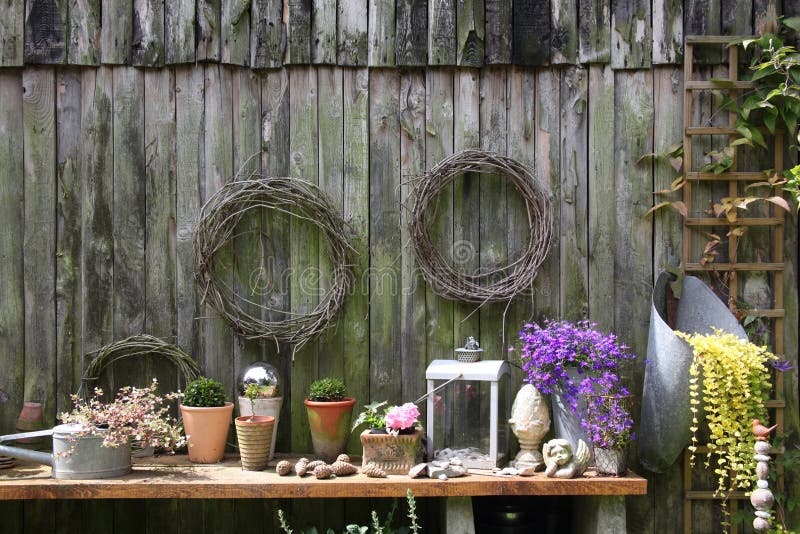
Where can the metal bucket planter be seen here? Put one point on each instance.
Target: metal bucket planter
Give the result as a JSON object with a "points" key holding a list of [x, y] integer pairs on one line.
{"points": [[665, 417], [567, 425], [612, 462]]}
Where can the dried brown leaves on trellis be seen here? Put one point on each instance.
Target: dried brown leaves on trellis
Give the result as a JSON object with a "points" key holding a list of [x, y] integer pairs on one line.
{"points": [[296, 198], [492, 285]]}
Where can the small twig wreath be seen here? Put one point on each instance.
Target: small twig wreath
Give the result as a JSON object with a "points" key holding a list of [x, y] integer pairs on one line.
{"points": [[136, 346], [216, 227], [500, 284]]}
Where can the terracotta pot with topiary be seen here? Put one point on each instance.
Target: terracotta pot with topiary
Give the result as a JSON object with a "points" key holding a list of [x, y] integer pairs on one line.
{"points": [[206, 420], [329, 413], [254, 433]]}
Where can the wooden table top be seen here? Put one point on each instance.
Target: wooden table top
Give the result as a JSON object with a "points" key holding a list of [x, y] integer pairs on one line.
{"points": [[173, 477]]}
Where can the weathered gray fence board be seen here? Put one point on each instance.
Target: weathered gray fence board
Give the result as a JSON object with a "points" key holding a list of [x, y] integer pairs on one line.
{"points": [[531, 32], [631, 35], [298, 49], [12, 29], [207, 29], [323, 30], [736, 17], [235, 32], [470, 33], [351, 33], [594, 31], [147, 40], [46, 31], [411, 32], [380, 33], [179, 24], [84, 32], [116, 31], [267, 34], [667, 31], [702, 17], [39, 145], [441, 32], [564, 39], [766, 12], [498, 38]]}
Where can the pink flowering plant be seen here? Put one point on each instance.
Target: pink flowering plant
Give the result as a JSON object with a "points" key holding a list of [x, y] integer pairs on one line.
{"points": [[393, 419], [136, 414]]}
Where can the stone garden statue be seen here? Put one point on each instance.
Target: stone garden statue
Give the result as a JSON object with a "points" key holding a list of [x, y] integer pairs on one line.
{"points": [[561, 462], [530, 421]]}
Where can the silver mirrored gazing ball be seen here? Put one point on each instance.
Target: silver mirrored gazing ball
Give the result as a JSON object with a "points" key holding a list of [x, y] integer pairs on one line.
{"points": [[263, 374]]}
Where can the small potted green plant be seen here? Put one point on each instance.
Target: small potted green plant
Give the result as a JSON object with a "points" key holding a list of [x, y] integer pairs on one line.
{"points": [[206, 420], [254, 433], [392, 438], [329, 411], [269, 397]]}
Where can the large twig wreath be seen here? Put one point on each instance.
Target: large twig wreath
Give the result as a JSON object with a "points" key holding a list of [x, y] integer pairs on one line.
{"points": [[296, 198], [492, 285]]}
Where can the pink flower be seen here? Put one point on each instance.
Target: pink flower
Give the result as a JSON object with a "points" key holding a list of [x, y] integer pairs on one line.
{"points": [[401, 417]]}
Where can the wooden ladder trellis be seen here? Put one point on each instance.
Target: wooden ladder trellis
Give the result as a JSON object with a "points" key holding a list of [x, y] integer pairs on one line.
{"points": [[775, 220]]}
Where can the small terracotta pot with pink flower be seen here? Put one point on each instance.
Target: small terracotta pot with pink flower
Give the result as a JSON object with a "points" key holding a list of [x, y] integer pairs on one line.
{"points": [[393, 438]]}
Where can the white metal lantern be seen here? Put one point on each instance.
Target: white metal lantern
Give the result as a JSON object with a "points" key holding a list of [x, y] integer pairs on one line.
{"points": [[468, 410]]}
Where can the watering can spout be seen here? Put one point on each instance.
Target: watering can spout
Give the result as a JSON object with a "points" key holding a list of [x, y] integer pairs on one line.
{"points": [[25, 454]]}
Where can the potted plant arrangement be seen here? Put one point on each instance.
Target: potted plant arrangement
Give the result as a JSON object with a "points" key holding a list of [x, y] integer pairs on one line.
{"points": [[254, 433], [269, 398], [206, 418], [95, 439], [329, 411], [609, 425], [392, 438]]}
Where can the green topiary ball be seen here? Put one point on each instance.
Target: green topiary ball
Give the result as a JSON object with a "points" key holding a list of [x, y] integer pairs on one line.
{"points": [[327, 390], [204, 393]]}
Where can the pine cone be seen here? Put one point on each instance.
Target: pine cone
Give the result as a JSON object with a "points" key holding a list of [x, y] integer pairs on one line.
{"points": [[341, 469], [322, 471], [313, 465], [343, 458], [373, 471], [301, 467], [283, 468]]}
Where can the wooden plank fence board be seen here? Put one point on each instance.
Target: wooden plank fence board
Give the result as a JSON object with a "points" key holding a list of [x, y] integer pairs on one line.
{"points": [[39, 145], [179, 31], [594, 31], [470, 33], [498, 38], [12, 30], [631, 35], [207, 30], [766, 13], [147, 41], [441, 32], [411, 32], [531, 32], [267, 34], [564, 39], [667, 31], [380, 33], [46, 31], [702, 17], [351, 33], [235, 32], [84, 32], [298, 50], [323, 30], [116, 31], [736, 17]]}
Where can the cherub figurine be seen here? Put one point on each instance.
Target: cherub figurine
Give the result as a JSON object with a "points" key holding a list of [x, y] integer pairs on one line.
{"points": [[560, 461]]}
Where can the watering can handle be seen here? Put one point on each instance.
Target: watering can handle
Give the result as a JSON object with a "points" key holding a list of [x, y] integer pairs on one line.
{"points": [[26, 435]]}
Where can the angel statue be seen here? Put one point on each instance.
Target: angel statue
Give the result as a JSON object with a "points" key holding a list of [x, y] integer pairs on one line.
{"points": [[560, 461]]}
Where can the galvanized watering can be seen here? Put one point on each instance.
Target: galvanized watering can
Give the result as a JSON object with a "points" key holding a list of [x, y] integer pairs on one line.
{"points": [[74, 457]]}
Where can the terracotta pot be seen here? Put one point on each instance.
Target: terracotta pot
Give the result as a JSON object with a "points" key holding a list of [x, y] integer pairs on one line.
{"points": [[255, 437], [330, 426], [270, 407], [206, 431], [30, 420], [394, 454]]}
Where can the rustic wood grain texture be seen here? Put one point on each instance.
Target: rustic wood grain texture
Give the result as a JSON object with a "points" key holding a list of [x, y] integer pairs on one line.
{"points": [[12, 312], [498, 37], [235, 32], [702, 17], [267, 34], [179, 28], [46, 31], [531, 32], [594, 31], [207, 30], [442, 32], [737, 17], [323, 31], [116, 31], [381, 33], [574, 194], [12, 30], [667, 31], [631, 35], [147, 41], [411, 32], [384, 239], [84, 32], [470, 33], [298, 50], [39, 239], [766, 13], [564, 39], [351, 33]]}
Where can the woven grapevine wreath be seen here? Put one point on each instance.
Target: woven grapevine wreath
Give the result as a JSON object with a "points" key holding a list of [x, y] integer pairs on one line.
{"points": [[216, 227], [500, 284]]}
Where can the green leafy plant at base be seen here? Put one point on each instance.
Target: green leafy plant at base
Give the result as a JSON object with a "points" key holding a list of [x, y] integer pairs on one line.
{"points": [[204, 393], [327, 390], [373, 416], [375, 522]]}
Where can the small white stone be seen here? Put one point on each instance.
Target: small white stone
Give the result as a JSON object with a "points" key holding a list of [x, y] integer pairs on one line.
{"points": [[456, 461], [442, 477], [764, 515], [509, 471], [762, 458], [763, 484]]}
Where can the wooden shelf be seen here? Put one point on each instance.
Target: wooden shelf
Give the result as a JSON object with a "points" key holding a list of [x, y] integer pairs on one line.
{"points": [[173, 477]]}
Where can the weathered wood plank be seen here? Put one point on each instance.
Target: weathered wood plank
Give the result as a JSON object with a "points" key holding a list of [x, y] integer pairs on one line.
{"points": [[179, 24], [68, 237], [384, 239], [235, 32], [380, 33], [116, 31], [412, 288], [702, 17], [84, 32], [275, 157], [737, 17], [304, 239], [594, 31], [411, 33], [12, 30], [46, 30], [766, 13], [574, 194], [470, 33], [531, 32], [323, 28], [267, 34], [498, 37], [438, 145], [351, 33], [147, 41], [207, 30], [355, 315], [298, 50], [667, 31], [564, 24], [631, 35], [12, 312], [441, 32], [39, 142]]}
